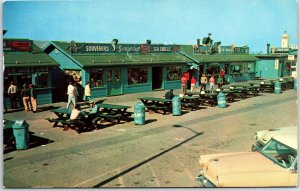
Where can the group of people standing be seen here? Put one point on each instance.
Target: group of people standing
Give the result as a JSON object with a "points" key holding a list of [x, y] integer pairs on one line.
{"points": [[203, 82], [28, 96], [72, 93]]}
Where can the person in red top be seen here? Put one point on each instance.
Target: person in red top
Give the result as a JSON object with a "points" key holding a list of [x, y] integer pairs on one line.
{"points": [[183, 84], [193, 84], [223, 75]]}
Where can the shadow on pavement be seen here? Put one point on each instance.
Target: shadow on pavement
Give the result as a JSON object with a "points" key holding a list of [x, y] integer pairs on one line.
{"points": [[146, 161], [150, 121], [34, 141]]}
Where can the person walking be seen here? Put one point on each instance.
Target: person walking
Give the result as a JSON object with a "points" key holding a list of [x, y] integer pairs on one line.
{"points": [[183, 84], [74, 119], [220, 81], [25, 94], [203, 82], [211, 83], [193, 84], [33, 96], [12, 93], [71, 95], [87, 92]]}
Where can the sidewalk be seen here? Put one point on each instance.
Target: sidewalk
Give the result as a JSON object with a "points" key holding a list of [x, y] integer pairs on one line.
{"points": [[127, 99]]}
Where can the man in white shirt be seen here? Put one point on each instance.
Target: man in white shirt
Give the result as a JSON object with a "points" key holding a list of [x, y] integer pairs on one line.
{"points": [[12, 93], [78, 124], [71, 95]]}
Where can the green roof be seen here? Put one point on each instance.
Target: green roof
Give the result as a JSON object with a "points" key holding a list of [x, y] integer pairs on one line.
{"points": [[113, 59], [36, 58], [206, 58]]}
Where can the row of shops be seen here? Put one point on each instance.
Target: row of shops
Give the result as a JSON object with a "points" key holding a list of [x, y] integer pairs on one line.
{"points": [[116, 69]]}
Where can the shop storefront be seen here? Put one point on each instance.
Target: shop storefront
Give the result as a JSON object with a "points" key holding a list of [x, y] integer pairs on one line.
{"points": [[116, 69], [25, 63], [238, 65]]}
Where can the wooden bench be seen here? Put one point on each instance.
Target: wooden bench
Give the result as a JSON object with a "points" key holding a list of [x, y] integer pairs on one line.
{"points": [[110, 117], [65, 121], [155, 108]]}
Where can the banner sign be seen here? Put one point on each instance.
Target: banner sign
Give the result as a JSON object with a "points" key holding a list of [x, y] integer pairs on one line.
{"points": [[223, 50], [17, 45], [227, 49], [280, 50], [93, 48], [202, 50], [241, 50]]}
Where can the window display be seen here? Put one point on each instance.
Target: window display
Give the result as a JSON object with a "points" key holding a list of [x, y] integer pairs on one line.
{"points": [[41, 80], [174, 73], [137, 75], [96, 78]]}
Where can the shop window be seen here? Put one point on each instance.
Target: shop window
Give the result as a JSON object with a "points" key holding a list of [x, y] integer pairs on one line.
{"points": [[137, 75], [96, 78], [41, 80], [74, 75], [174, 73], [213, 69], [251, 67], [240, 67]]}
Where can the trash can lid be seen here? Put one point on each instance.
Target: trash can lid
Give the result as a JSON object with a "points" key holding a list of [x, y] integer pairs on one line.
{"points": [[19, 123]]}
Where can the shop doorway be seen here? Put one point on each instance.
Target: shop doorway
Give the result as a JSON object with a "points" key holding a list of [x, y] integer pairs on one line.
{"points": [[156, 78], [114, 84]]}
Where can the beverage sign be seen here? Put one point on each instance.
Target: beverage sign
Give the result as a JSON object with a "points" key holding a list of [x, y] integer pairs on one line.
{"points": [[95, 48], [17, 45]]}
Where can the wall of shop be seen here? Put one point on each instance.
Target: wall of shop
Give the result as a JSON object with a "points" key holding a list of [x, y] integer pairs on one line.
{"points": [[268, 68]]}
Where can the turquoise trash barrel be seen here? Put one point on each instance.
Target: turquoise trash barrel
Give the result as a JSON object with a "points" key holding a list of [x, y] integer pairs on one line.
{"points": [[277, 88], [176, 105], [221, 100], [20, 131], [295, 84], [139, 113]]}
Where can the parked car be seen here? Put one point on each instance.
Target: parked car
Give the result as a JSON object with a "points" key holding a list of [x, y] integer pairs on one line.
{"points": [[262, 137], [275, 165]]}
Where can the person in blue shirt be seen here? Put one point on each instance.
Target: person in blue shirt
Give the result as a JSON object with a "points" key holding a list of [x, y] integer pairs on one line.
{"points": [[93, 116], [93, 108]]}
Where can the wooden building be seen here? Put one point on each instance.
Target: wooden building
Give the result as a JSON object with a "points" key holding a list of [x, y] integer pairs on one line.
{"points": [[25, 63], [115, 69]]}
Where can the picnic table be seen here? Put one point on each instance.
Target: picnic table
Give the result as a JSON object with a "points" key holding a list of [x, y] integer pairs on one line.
{"points": [[209, 97], [267, 86], [114, 112], [63, 116], [153, 103], [191, 102], [250, 88], [236, 91], [85, 105]]}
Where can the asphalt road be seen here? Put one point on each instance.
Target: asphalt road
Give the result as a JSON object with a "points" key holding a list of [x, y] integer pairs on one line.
{"points": [[162, 153]]}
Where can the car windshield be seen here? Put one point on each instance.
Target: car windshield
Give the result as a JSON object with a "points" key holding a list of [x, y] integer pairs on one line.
{"points": [[279, 153]]}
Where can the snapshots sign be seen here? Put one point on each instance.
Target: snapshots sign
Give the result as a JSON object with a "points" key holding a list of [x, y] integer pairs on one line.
{"points": [[17, 45]]}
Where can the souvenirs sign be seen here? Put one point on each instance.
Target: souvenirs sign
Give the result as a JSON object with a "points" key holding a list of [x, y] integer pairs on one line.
{"points": [[17, 45], [96, 48]]}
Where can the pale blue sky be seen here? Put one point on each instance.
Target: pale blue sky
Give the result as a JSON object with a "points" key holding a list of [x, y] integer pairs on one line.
{"points": [[242, 22]]}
